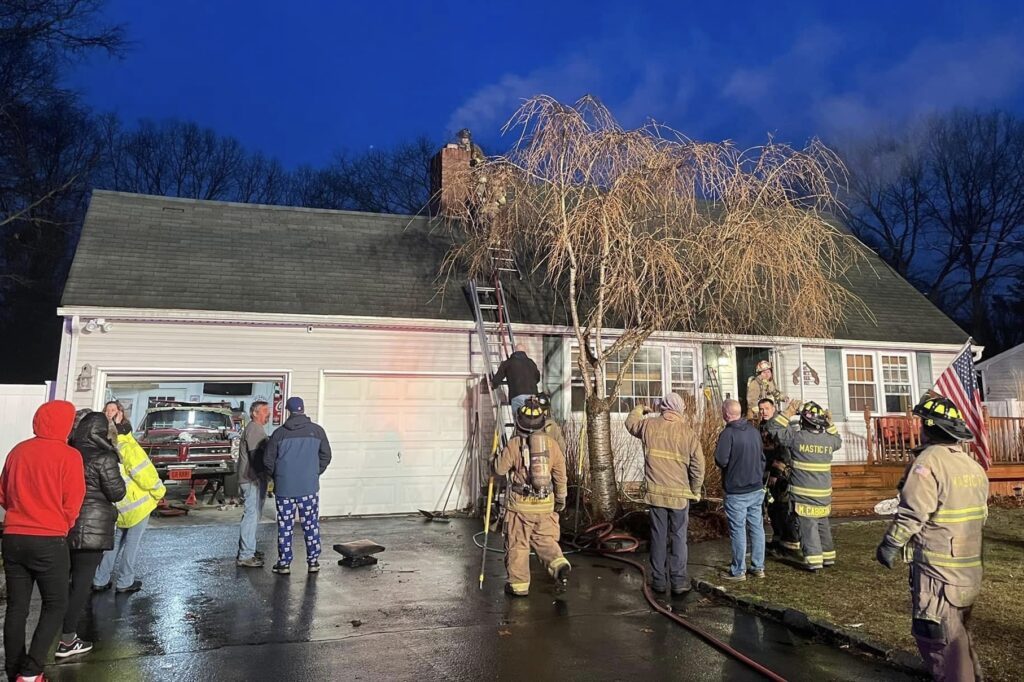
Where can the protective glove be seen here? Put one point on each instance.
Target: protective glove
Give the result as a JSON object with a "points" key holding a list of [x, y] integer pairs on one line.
{"points": [[779, 466], [646, 409], [559, 505], [887, 553], [792, 408], [828, 416]]}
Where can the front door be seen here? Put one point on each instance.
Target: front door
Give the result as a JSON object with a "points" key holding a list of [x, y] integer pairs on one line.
{"points": [[746, 360]]}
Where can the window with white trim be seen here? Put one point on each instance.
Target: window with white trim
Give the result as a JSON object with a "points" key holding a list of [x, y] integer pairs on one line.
{"points": [[878, 381], [642, 382], [896, 384], [860, 382], [683, 371]]}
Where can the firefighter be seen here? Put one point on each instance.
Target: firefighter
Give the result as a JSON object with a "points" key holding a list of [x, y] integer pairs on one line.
{"points": [[784, 534], [673, 476], [943, 508], [551, 427], [807, 456], [760, 386], [535, 466]]}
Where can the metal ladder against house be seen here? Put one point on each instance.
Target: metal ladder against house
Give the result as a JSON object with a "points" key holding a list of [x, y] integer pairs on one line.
{"points": [[495, 337], [712, 389]]}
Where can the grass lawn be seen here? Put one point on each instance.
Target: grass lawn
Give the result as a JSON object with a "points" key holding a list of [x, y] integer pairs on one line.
{"points": [[859, 592]]}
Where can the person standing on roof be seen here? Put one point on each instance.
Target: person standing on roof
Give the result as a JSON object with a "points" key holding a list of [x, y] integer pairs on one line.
{"points": [[673, 476], [521, 375], [297, 454], [942, 513], [41, 488]]}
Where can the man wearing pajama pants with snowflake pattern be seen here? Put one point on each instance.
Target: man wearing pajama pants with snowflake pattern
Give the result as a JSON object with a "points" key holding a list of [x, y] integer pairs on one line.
{"points": [[297, 455]]}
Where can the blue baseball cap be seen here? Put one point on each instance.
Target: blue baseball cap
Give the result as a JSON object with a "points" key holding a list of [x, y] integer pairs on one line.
{"points": [[295, 404]]}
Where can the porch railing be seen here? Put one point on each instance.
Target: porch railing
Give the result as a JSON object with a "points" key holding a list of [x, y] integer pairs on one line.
{"points": [[892, 438]]}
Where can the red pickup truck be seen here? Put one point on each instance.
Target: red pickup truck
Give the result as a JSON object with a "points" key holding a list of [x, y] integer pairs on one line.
{"points": [[186, 441]]}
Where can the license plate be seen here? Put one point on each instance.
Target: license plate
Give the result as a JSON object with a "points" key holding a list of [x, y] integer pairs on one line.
{"points": [[180, 474]]}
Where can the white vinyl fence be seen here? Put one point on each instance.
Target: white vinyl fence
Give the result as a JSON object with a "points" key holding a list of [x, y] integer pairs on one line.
{"points": [[18, 403]]}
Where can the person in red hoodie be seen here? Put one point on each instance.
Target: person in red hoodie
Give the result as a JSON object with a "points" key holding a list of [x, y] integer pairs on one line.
{"points": [[41, 488]]}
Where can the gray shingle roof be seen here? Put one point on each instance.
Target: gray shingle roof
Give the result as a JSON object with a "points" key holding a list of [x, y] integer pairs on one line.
{"points": [[140, 251]]}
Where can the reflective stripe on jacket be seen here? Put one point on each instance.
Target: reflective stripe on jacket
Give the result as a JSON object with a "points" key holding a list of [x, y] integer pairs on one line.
{"points": [[942, 512], [510, 462], [673, 461], [142, 482], [809, 457]]}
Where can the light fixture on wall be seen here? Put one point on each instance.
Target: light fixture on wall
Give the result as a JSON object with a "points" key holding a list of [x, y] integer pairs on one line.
{"points": [[723, 357], [97, 324]]}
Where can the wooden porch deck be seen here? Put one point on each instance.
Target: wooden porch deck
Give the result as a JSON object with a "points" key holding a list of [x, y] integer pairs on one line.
{"points": [[891, 439]]}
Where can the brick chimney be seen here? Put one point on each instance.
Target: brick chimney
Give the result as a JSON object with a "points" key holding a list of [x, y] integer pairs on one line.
{"points": [[446, 165]]}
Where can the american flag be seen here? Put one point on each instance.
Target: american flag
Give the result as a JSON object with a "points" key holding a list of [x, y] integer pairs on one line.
{"points": [[959, 383]]}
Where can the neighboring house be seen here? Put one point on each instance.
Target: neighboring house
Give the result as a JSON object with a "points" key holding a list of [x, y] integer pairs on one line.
{"points": [[1002, 376], [343, 308]]}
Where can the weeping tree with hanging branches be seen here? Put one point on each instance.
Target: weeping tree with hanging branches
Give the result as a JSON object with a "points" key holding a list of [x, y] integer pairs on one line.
{"points": [[644, 230]]}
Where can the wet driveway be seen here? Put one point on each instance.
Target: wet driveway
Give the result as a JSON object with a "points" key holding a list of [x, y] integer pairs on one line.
{"points": [[418, 615]]}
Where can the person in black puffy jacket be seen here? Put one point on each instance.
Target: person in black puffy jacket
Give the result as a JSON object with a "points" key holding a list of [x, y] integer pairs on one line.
{"points": [[93, 533]]}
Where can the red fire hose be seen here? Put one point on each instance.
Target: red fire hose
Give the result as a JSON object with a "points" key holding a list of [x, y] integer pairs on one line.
{"points": [[599, 539]]}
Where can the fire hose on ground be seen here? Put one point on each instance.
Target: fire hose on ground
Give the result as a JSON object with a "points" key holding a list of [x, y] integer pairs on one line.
{"points": [[602, 540]]}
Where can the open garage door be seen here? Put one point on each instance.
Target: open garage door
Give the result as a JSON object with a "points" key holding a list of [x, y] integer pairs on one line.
{"points": [[395, 439]]}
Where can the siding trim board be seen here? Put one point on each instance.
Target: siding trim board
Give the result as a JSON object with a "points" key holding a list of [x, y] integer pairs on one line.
{"points": [[202, 317]]}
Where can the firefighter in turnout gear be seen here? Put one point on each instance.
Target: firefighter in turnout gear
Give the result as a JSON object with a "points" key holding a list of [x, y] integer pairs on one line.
{"points": [[535, 466], [938, 525], [551, 427], [784, 533], [807, 455], [761, 386]]}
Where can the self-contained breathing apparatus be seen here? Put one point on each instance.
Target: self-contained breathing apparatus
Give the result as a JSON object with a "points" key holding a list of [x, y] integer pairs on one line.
{"points": [[534, 446]]}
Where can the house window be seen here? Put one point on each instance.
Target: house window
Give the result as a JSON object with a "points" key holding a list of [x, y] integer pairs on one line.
{"points": [[860, 382], [683, 372], [641, 383], [896, 383], [879, 382]]}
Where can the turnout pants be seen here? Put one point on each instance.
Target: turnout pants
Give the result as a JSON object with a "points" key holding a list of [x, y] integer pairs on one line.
{"points": [[816, 541], [523, 531], [941, 613], [668, 548], [307, 509], [783, 521], [33, 561]]}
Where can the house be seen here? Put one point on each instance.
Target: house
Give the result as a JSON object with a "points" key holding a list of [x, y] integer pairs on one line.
{"points": [[204, 300], [1002, 376]]}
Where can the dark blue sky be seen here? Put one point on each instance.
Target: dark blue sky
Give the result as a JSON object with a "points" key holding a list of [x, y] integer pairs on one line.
{"points": [[301, 80]]}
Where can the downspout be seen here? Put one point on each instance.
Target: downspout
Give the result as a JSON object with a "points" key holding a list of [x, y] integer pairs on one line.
{"points": [[70, 379]]}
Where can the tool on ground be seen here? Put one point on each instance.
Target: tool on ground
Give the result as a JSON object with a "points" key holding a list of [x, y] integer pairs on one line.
{"points": [[358, 553], [487, 528], [437, 517]]}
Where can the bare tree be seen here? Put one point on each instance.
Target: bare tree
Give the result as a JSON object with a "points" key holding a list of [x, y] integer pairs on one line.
{"points": [[645, 230], [394, 180], [943, 203]]}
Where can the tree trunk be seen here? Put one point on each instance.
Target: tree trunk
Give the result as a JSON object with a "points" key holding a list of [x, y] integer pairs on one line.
{"points": [[604, 500]]}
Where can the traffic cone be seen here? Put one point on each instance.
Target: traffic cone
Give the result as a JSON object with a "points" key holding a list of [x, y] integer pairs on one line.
{"points": [[191, 499]]}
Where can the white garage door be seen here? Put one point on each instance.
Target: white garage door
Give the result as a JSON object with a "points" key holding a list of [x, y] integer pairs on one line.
{"points": [[395, 441]]}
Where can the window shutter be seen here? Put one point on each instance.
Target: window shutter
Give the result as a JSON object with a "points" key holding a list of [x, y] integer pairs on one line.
{"points": [[834, 381], [924, 373], [554, 373]]}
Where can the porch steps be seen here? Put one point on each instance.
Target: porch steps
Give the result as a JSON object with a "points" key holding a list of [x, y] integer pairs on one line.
{"points": [[857, 488]]}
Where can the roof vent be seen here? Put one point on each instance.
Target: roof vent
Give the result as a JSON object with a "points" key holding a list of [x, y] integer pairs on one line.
{"points": [[175, 209]]}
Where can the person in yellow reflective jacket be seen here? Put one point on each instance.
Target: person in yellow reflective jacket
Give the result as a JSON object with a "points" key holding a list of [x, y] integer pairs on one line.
{"points": [[144, 490], [942, 512]]}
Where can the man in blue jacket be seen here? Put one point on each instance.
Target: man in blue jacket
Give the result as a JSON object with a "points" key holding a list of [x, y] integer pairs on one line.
{"points": [[741, 458], [296, 456]]}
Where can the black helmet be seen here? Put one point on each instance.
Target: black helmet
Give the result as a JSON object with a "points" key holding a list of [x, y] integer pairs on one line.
{"points": [[812, 415], [940, 413], [530, 417], [545, 402]]}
